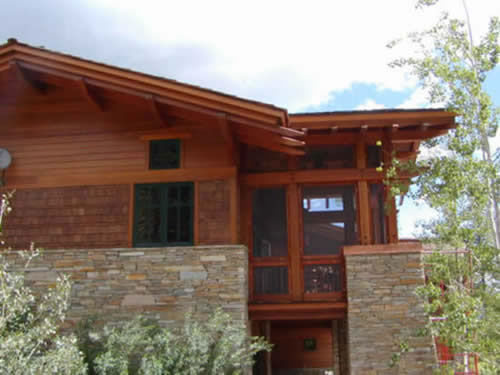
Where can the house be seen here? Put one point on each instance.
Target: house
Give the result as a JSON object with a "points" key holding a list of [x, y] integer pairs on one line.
{"points": [[149, 192]]}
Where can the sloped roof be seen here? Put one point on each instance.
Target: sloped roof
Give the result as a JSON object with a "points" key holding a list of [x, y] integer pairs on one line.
{"points": [[255, 123]]}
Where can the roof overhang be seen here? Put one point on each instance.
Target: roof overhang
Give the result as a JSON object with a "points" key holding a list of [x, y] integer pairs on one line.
{"points": [[248, 121], [241, 120]]}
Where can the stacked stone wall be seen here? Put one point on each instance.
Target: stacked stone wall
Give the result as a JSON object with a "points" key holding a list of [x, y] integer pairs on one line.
{"points": [[384, 311], [161, 283]]}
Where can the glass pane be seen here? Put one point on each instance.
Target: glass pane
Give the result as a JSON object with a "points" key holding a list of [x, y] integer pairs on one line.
{"points": [[373, 156], [172, 224], [164, 154], [328, 157], [185, 223], [186, 194], [329, 217], [173, 195], [269, 222], [322, 278], [378, 214], [324, 204], [148, 225], [270, 280], [261, 160]]}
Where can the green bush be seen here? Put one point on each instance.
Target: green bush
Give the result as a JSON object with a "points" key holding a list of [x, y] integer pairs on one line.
{"points": [[29, 338], [216, 346]]}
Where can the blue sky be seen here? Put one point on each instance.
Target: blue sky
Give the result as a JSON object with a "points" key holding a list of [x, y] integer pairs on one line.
{"points": [[304, 56]]}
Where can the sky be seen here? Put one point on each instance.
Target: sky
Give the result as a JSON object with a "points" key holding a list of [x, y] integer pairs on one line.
{"points": [[299, 55]]}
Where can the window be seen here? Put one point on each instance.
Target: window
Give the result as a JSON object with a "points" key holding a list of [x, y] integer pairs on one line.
{"points": [[328, 157], [163, 214], [164, 154], [329, 219], [269, 223], [373, 156]]}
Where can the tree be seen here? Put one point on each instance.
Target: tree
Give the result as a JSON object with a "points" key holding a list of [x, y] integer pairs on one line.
{"points": [[462, 184], [29, 339]]}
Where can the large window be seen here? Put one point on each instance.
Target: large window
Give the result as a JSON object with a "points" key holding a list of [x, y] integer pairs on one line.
{"points": [[163, 214], [269, 223], [270, 242], [329, 215]]}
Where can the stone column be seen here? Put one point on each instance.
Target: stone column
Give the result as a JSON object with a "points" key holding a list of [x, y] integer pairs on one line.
{"points": [[384, 311]]}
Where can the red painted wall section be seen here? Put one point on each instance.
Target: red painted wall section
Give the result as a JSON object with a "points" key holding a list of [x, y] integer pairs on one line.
{"points": [[72, 217]]}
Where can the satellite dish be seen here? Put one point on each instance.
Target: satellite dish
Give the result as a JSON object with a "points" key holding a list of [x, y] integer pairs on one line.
{"points": [[5, 158]]}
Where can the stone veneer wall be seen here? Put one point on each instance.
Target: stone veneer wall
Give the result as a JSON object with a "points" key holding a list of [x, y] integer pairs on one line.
{"points": [[161, 283], [383, 310]]}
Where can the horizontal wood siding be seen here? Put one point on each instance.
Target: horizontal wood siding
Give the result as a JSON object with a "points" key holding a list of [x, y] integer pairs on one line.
{"points": [[60, 135]]}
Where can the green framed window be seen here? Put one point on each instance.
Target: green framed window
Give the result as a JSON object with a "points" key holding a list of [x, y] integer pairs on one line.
{"points": [[163, 214], [165, 154]]}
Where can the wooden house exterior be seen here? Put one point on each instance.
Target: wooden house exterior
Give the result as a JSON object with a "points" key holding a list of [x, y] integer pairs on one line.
{"points": [[104, 157]]}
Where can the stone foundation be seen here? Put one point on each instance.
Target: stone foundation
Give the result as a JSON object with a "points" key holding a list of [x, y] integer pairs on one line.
{"points": [[161, 283], [384, 311]]}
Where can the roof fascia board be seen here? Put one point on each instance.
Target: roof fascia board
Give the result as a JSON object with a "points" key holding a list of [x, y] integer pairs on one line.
{"points": [[304, 119]]}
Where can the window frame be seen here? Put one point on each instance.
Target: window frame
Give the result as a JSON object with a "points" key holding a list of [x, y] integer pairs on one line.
{"points": [[164, 205]]}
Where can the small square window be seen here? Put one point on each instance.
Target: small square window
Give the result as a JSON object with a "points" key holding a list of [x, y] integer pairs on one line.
{"points": [[309, 345], [164, 154]]}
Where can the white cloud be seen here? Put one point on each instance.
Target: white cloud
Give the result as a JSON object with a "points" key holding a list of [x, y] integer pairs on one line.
{"points": [[290, 53], [418, 99], [369, 104]]}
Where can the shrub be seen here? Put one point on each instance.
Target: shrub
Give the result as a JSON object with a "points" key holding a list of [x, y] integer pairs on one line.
{"points": [[29, 338], [216, 346]]}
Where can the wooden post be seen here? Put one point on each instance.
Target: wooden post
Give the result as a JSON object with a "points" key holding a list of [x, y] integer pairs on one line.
{"points": [[295, 271], [391, 214], [267, 355], [365, 228], [233, 210]]}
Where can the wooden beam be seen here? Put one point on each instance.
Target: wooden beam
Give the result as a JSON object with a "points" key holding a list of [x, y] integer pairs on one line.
{"points": [[372, 136], [23, 76], [165, 134], [309, 307], [229, 138], [89, 96], [115, 178], [315, 176], [157, 113], [264, 143], [405, 136], [287, 132], [287, 141]]}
